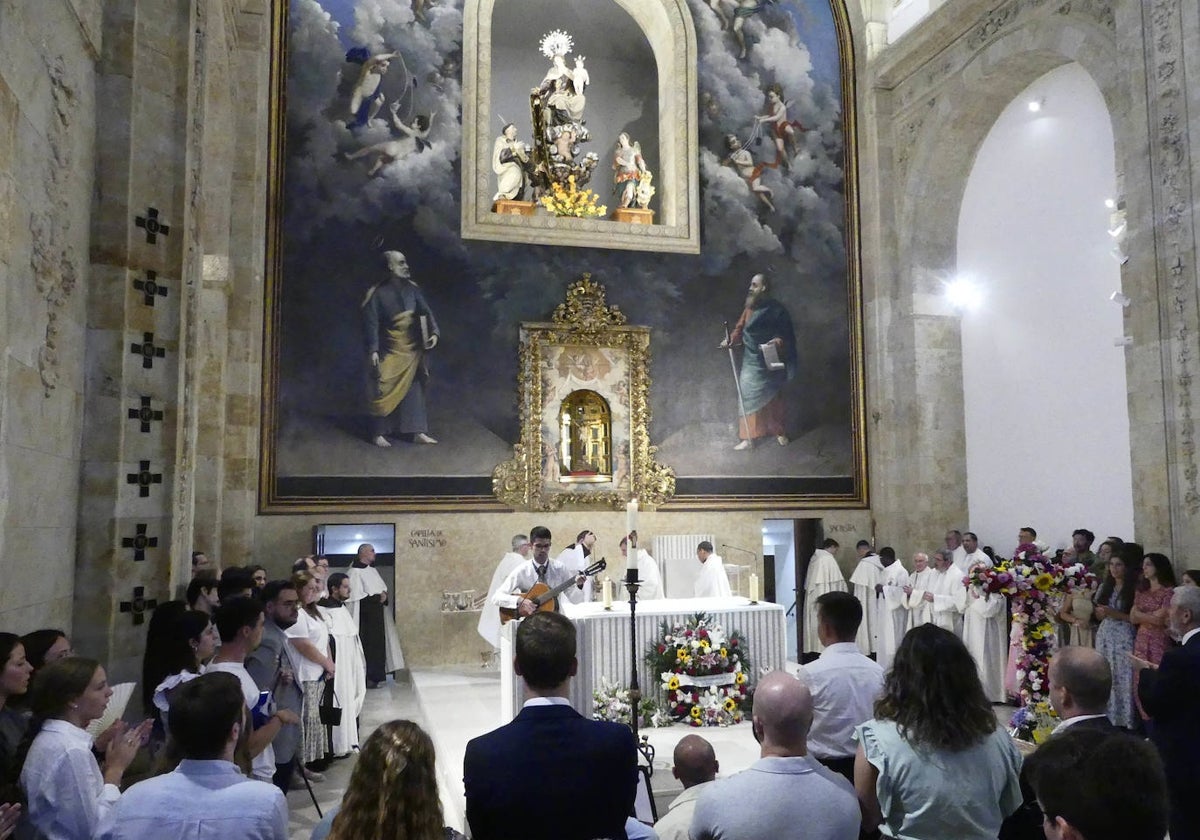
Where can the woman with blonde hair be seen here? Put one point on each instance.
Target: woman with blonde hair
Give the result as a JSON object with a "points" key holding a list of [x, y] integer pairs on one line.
{"points": [[393, 793], [309, 636]]}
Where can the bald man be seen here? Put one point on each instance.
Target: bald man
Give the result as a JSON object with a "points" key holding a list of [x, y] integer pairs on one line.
{"points": [[785, 788], [695, 767]]}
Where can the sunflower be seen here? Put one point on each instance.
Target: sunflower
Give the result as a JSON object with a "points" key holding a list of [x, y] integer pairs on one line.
{"points": [[1043, 582], [696, 713], [673, 683], [740, 679], [730, 705], [724, 651]]}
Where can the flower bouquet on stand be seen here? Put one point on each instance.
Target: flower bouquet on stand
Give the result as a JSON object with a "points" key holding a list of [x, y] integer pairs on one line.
{"points": [[703, 672]]}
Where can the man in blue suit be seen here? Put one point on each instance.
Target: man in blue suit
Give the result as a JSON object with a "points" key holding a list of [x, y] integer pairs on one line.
{"points": [[551, 774], [1169, 694]]}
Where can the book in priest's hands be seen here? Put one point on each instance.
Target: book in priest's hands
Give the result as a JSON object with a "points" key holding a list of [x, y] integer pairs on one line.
{"points": [[771, 356]]}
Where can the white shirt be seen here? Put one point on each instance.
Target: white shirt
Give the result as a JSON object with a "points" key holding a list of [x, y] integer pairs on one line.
{"points": [[712, 582], [844, 684], [1074, 720], [68, 799], [959, 558], [262, 764], [316, 631], [674, 824], [201, 800], [522, 579], [489, 619], [651, 580], [974, 558]]}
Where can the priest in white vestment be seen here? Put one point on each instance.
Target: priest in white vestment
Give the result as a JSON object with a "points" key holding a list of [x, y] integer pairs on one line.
{"points": [[920, 611], [946, 594], [823, 575], [350, 678], [712, 582], [864, 582], [577, 556], [368, 604], [974, 554], [651, 587], [893, 607], [958, 554], [985, 637], [489, 616]]}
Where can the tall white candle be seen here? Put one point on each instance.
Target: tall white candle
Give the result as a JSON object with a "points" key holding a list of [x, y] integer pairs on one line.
{"points": [[631, 552], [753, 587], [608, 594]]}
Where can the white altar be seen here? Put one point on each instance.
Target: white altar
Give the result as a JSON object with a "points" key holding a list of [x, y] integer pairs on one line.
{"points": [[604, 642]]}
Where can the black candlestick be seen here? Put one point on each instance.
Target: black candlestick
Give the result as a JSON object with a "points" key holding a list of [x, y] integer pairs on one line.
{"points": [[635, 691]]}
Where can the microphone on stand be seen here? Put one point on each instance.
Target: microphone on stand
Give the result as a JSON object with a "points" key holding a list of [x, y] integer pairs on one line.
{"points": [[737, 548]]}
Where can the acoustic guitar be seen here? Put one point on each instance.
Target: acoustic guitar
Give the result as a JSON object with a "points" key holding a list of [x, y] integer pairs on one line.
{"points": [[544, 598]]}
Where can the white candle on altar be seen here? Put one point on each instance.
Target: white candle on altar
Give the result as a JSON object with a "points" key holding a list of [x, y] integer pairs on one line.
{"points": [[631, 552], [753, 587], [608, 594]]}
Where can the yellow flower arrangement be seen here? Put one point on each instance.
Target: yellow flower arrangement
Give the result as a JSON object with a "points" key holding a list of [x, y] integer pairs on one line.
{"points": [[571, 201], [1044, 581]]}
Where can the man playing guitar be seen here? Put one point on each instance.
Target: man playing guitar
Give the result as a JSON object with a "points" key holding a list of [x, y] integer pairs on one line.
{"points": [[538, 569]]}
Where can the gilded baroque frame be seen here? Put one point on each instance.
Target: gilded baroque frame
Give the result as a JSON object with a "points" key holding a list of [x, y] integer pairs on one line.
{"points": [[672, 35], [585, 321]]}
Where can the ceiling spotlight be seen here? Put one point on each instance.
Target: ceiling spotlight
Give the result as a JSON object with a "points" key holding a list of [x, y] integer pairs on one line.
{"points": [[358, 536], [1036, 105], [1120, 297], [1123, 341], [1118, 254], [963, 294]]}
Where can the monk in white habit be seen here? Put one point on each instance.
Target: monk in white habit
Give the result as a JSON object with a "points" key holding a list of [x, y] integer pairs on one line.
{"points": [[946, 594], [651, 581], [920, 611], [489, 618], [974, 554], [376, 627], [577, 556], [893, 606], [984, 635], [864, 580], [712, 582], [958, 554], [823, 575], [350, 678]]}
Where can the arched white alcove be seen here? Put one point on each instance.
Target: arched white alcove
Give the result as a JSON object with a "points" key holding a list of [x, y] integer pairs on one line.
{"points": [[1044, 387]]}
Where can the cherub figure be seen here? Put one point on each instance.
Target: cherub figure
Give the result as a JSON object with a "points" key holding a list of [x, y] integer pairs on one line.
{"points": [[743, 163], [782, 129], [393, 150], [742, 9], [580, 75]]}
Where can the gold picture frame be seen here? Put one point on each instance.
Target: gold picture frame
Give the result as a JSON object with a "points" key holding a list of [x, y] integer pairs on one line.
{"points": [[588, 344]]}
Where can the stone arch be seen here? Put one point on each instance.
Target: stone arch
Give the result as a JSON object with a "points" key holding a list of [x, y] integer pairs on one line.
{"points": [[963, 111]]}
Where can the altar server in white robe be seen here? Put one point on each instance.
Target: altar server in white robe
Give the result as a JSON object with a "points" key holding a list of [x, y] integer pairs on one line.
{"points": [[920, 611], [946, 594], [651, 587], [712, 582], [823, 575], [984, 635], [368, 605], [350, 678], [893, 606], [577, 556], [489, 616], [864, 582], [974, 554], [958, 554]]}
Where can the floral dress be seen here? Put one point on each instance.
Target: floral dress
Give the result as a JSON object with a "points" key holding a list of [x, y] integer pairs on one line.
{"points": [[1151, 640], [1114, 641]]}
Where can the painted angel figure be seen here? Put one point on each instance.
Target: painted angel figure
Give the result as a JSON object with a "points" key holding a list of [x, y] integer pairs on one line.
{"points": [[367, 96], [393, 150], [782, 129], [742, 9], [743, 163]]}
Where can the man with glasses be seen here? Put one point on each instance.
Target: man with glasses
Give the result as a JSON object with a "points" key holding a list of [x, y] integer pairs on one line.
{"points": [[272, 669], [538, 569]]}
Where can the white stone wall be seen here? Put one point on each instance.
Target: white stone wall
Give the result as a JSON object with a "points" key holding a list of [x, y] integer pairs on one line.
{"points": [[48, 51]]}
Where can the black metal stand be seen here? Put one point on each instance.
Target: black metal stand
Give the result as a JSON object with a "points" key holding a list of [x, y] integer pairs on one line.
{"points": [[632, 584]]}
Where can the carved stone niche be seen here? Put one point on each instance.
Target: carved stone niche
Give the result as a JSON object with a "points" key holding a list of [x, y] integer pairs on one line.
{"points": [[627, 44], [591, 361]]}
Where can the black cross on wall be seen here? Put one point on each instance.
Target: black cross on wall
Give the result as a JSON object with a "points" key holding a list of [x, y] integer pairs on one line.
{"points": [[147, 350], [150, 287], [145, 414], [143, 478], [139, 542], [140, 605], [152, 225]]}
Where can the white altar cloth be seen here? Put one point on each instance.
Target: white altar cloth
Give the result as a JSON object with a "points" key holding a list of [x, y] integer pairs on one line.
{"points": [[604, 642]]}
